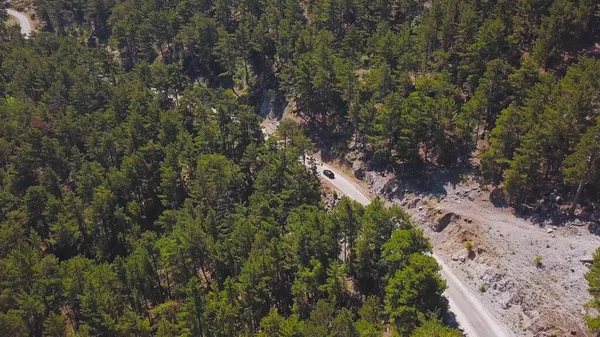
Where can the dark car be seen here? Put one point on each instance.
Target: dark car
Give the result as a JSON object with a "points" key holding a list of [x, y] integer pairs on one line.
{"points": [[329, 174]]}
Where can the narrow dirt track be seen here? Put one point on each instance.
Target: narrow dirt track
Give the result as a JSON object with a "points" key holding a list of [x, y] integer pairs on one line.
{"points": [[23, 21]]}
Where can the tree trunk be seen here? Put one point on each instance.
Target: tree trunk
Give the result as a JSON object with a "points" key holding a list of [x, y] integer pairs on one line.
{"points": [[576, 199], [476, 135], [168, 284], [580, 187]]}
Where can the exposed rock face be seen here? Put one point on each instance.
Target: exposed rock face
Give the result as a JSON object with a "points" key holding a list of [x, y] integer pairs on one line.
{"points": [[531, 301], [371, 179], [444, 221]]}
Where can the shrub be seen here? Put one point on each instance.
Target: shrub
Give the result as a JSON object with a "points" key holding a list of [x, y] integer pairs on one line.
{"points": [[520, 321], [482, 288], [464, 178], [469, 246], [538, 261]]}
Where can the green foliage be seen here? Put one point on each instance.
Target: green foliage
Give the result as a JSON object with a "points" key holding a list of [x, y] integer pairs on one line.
{"points": [[534, 142], [433, 328], [582, 166], [593, 278], [538, 261], [370, 320], [404, 306], [139, 196], [152, 209]]}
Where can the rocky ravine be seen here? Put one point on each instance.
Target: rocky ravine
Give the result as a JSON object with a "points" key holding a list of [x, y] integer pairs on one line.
{"points": [[533, 300]]}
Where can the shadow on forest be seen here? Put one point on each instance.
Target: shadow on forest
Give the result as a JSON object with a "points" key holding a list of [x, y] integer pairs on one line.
{"points": [[551, 209], [422, 180], [561, 218], [332, 144]]}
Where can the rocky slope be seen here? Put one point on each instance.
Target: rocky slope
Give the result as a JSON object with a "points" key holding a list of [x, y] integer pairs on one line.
{"points": [[533, 299]]}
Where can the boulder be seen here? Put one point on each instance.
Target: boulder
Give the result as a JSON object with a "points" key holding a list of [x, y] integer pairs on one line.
{"points": [[413, 203], [358, 167], [370, 178], [352, 155], [444, 221], [499, 197], [524, 209]]}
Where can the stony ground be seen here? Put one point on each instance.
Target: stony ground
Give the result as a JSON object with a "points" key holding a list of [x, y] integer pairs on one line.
{"points": [[533, 300]]}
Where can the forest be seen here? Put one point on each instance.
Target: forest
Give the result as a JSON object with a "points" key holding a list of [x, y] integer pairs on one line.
{"points": [[139, 196], [406, 82]]}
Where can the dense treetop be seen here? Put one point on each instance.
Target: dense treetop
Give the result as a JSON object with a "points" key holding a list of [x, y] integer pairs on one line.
{"points": [[404, 81], [139, 196]]}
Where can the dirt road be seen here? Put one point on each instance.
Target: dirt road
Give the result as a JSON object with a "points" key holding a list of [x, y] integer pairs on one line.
{"points": [[344, 184], [23, 21]]}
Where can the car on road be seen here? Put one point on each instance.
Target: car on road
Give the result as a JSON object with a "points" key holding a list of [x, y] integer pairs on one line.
{"points": [[329, 174]]}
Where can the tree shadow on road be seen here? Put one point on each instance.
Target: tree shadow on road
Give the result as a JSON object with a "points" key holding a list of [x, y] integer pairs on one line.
{"points": [[450, 320]]}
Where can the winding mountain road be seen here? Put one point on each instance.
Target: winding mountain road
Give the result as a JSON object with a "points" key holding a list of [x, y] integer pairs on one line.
{"points": [[470, 314], [23, 21]]}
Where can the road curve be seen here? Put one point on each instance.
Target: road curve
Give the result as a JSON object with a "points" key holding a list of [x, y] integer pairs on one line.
{"points": [[473, 318], [23, 21], [343, 184]]}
